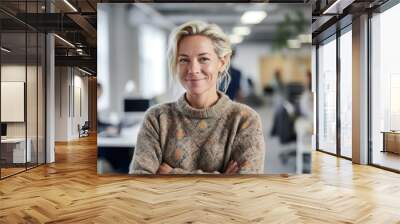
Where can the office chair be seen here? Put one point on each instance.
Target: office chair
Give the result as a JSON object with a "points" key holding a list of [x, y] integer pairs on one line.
{"points": [[84, 130]]}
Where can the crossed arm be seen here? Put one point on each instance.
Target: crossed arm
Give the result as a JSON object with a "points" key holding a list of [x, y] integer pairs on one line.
{"points": [[164, 168], [147, 161]]}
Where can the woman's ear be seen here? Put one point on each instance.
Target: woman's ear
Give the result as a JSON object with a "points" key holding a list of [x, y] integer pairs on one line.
{"points": [[224, 62]]}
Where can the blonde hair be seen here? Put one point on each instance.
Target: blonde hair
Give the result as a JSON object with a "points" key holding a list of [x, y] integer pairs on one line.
{"points": [[220, 40]]}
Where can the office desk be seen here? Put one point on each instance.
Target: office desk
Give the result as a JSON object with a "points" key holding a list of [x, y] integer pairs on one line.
{"points": [[391, 141], [127, 138], [117, 151], [13, 150]]}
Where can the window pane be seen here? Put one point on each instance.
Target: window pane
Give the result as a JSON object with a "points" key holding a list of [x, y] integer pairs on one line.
{"points": [[385, 86], [327, 96], [346, 94]]}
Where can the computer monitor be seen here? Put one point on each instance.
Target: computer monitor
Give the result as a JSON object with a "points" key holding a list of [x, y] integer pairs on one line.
{"points": [[136, 105], [3, 129]]}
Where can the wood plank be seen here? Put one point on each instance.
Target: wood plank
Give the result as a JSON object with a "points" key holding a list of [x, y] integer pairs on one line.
{"points": [[70, 191]]}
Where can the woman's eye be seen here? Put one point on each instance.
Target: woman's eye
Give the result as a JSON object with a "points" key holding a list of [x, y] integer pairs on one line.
{"points": [[204, 59], [183, 60]]}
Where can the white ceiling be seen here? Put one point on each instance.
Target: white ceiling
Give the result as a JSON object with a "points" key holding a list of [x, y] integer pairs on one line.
{"points": [[227, 15]]}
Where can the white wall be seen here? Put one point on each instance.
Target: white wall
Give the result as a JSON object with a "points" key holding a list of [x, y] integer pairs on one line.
{"points": [[80, 103], [17, 73], [61, 103], [247, 60], [70, 84], [32, 104], [131, 60], [119, 52]]}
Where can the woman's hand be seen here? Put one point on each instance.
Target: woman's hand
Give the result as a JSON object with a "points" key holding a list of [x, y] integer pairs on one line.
{"points": [[164, 169], [232, 168]]}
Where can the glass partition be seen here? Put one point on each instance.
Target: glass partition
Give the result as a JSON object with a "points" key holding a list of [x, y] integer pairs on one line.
{"points": [[31, 99], [22, 87], [41, 107], [13, 110]]}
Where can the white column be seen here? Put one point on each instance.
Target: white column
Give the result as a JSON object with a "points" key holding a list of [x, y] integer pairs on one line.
{"points": [[50, 99], [360, 90]]}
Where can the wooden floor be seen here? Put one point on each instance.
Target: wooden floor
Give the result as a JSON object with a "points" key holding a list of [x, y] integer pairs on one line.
{"points": [[70, 191], [387, 159], [10, 171]]}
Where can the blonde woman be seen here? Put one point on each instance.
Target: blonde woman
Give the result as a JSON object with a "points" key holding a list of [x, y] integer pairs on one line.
{"points": [[204, 131]]}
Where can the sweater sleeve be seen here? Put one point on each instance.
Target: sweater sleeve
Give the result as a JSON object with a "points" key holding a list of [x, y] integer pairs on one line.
{"points": [[248, 148], [183, 171], [148, 154]]}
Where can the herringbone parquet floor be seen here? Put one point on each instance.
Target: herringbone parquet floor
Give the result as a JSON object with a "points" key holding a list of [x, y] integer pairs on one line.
{"points": [[70, 191]]}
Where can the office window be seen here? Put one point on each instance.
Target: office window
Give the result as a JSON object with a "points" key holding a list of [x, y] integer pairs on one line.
{"points": [[385, 88], [103, 57], [346, 94], [153, 61], [327, 96]]}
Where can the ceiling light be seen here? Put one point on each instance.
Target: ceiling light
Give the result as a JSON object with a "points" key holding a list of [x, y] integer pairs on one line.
{"points": [[5, 50], [130, 86], [331, 7], [241, 30], [293, 43], [338, 6], [70, 5], [235, 39], [253, 17], [305, 38], [84, 71], [65, 41]]}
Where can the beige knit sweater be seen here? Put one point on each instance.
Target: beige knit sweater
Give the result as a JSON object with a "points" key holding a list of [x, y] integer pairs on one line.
{"points": [[196, 141]]}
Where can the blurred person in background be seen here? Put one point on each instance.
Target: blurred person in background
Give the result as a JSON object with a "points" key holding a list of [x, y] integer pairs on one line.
{"points": [[286, 111], [252, 99], [204, 131], [304, 128], [278, 89], [306, 100], [277, 83], [234, 90]]}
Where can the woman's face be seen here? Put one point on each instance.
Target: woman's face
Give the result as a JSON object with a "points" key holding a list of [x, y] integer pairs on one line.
{"points": [[198, 65]]}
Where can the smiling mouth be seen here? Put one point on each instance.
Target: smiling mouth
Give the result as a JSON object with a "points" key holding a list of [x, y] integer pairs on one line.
{"points": [[193, 80]]}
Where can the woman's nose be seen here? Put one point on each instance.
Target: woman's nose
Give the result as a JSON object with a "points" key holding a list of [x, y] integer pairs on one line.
{"points": [[194, 67]]}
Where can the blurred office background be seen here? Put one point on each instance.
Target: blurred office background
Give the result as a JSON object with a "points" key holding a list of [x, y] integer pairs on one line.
{"points": [[272, 45]]}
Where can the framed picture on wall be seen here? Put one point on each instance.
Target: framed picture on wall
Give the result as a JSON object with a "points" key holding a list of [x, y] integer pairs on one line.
{"points": [[12, 101]]}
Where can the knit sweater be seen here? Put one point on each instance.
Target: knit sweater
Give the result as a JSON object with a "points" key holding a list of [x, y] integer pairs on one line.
{"points": [[195, 141]]}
